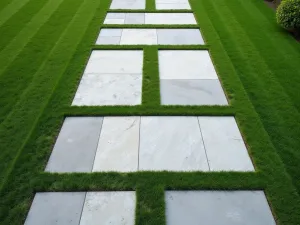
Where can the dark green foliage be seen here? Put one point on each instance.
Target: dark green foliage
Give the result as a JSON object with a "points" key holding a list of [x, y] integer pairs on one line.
{"points": [[288, 14]]}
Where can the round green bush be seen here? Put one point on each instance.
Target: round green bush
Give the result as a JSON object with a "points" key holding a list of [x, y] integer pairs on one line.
{"points": [[288, 14]]}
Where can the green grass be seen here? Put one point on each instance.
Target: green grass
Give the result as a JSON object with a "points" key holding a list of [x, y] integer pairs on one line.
{"points": [[256, 62]]}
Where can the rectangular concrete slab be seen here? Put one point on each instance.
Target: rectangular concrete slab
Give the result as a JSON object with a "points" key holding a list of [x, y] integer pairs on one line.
{"points": [[109, 89], [115, 62], [224, 144], [192, 92], [56, 208], [118, 145], [173, 6], [217, 208], [179, 37], [186, 64], [115, 16], [128, 4], [170, 18], [139, 37], [171, 143], [109, 41], [76, 145], [109, 208], [135, 18]]}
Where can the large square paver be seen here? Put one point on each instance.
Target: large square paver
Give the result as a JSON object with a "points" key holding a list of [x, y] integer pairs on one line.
{"points": [[217, 208], [170, 18], [109, 89], [128, 4], [192, 92], [186, 64], [76, 145], [59, 208], [224, 144], [179, 37], [171, 143], [139, 37], [109, 208], [118, 145]]}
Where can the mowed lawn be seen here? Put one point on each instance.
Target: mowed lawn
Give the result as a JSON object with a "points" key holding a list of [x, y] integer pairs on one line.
{"points": [[44, 47]]}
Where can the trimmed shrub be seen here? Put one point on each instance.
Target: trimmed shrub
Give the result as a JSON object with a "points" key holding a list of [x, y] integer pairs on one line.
{"points": [[288, 14]]}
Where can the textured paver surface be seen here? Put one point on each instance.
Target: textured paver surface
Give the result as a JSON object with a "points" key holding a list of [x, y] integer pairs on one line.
{"points": [[131, 36], [150, 18], [217, 208], [128, 4], [188, 77], [174, 143], [111, 78]]}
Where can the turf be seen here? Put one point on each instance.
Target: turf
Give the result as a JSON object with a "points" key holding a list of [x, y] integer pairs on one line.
{"points": [[43, 63]]}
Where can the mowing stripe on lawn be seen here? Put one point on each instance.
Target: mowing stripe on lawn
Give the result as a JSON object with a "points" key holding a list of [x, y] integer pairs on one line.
{"points": [[18, 75], [11, 9], [11, 51], [25, 111], [150, 5], [15, 24], [4, 3]]}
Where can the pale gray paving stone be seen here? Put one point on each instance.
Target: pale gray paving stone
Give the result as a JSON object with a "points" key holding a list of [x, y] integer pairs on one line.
{"points": [[186, 64], [56, 208], [170, 18], [109, 89], [112, 21], [192, 92], [109, 36], [173, 6], [171, 143], [179, 37], [225, 148], [111, 32], [135, 18], [76, 145], [128, 4], [139, 37], [118, 145], [115, 62], [172, 1], [217, 208], [108, 41], [109, 208], [115, 16]]}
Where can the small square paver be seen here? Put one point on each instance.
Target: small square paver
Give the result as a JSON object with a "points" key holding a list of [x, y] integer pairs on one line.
{"points": [[225, 148], [115, 62], [76, 145], [171, 143], [186, 64], [51, 208], [179, 37], [109, 208], [135, 18], [139, 37], [170, 18], [218, 208], [192, 92], [118, 145], [128, 4], [109, 89]]}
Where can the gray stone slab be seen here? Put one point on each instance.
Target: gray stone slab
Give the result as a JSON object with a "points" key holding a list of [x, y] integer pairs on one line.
{"points": [[186, 64], [171, 143], [115, 32], [139, 37], [170, 18], [128, 4], [108, 41], [118, 145], [135, 18], [173, 6], [115, 62], [56, 208], [179, 37], [76, 145], [109, 208], [109, 89], [192, 92], [224, 144], [113, 21], [217, 208], [115, 16]]}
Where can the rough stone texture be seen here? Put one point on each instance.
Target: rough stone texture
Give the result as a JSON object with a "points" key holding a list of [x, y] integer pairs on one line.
{"points": [[76, 145], [128, 4], [56, 208], [139, 37], [171, 143], [192, 92], [114, 208], [118, 145], [224, 144], [217, 208]]}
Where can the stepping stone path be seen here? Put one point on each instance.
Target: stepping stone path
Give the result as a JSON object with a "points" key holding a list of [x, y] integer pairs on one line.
{"points": [[150, 143]]}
